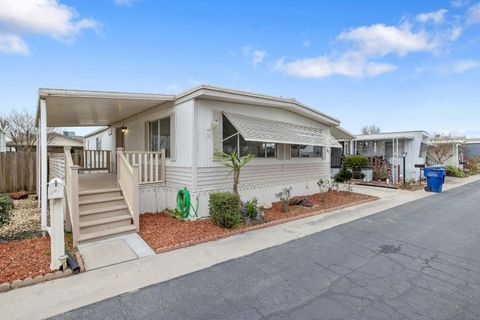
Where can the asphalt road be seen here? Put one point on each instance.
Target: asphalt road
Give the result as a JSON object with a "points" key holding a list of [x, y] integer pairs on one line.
{"points": [[417, 261]]}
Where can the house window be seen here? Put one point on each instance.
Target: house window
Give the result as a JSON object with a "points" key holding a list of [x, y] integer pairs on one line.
{"points": [[98, 143], [304, 151], [232, 139], [159, 135]]}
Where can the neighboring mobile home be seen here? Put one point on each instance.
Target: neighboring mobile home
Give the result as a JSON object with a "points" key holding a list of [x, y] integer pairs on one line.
{"points": [[161, 143], [392, 147], [472, 149], [56, 142], [447, 150]]}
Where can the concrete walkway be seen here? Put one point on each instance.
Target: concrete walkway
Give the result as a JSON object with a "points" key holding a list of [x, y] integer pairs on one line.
{"points": [[107, 252], [58, 296]]}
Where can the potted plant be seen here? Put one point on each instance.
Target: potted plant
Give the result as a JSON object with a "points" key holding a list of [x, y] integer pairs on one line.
{"points": [[361, 167]]}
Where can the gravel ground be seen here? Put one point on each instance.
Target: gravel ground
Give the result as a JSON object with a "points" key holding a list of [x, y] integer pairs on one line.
{"points": [[24, 221]]}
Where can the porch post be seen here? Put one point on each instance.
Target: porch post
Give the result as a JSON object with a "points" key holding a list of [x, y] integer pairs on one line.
{"points": [[37, 171], [43, 162]]}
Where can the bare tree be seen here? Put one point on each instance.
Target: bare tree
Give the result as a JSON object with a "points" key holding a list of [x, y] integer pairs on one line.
{"points": [[439, 153], [371, 129], [19, 127]]}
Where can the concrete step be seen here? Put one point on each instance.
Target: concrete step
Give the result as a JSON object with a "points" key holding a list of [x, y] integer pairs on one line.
{"points": [[99, 193], [101, 203], [105, 223], [97, 235]]}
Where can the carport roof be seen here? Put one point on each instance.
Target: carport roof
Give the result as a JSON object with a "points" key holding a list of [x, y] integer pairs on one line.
{"points": [[75, 108]]}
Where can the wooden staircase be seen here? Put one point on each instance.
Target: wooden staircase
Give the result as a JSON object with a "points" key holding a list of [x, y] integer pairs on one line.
{"points": [[103, 213]]}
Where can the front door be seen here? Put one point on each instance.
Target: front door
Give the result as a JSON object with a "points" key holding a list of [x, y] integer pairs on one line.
{"points": [[119, 138]]}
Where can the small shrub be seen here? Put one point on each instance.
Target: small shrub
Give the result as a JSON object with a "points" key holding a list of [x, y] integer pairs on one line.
{"points": [[174, 213], [284, 197], [380, 173], [326, 185], [6, 205], [472, 165], [357, 162], [347, 187], [251, 208], [454, 172], [344, 174], [224, 209]]}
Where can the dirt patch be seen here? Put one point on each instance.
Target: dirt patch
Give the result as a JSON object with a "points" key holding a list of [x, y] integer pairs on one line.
{"points": [[163, 232], [26, 258]]}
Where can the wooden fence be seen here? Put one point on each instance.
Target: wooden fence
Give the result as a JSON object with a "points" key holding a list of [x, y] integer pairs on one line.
{"points": [[17, 171]]}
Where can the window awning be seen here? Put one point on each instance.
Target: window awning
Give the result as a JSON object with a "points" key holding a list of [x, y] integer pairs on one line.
{"points": [[263, 130]]}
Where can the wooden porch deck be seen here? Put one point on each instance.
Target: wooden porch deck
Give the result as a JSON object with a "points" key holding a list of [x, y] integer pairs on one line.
{"points": [[97, 181]]}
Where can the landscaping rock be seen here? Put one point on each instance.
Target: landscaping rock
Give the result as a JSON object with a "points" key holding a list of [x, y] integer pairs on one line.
{"points": [[300, 201], [295, 201], [306, 203], [26, 282], [38, 279], [4, 287], [19, 195], [16, 284], [48, 276]]}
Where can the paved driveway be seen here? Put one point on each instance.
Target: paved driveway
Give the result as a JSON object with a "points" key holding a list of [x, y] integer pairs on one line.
{"points": [[417, 261]]}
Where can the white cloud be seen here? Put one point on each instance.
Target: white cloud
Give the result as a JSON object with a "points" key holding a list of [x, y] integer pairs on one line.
{"points": [[10, 43], [434, 17], [350, 65], [44, 17], [458, 3], [125, 2], [473, 14], [258, 56], [380, 40], [465, 65]]}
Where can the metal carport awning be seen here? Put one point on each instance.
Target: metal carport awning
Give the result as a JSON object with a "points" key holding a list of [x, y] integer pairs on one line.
{"points": [[264, 130]]}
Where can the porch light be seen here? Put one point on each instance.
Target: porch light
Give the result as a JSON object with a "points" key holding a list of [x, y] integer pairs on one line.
{"points": [[124, 129]]}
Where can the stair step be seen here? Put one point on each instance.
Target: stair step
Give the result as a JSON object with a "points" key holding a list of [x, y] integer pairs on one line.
{"points": [[100, 200], [101, 210], [97, 222], [88, 192], [106, 233]]}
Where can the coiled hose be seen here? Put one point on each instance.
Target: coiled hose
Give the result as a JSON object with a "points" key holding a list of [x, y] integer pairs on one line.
{"points": [[184, 203]]}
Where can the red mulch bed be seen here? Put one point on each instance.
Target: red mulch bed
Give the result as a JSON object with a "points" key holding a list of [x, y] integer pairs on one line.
{"points": [[321, 202], [163, 232], [25, 258]]}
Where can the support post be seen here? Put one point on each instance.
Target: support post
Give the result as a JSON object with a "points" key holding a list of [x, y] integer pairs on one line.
{"points": [[43, 162], [164, 166], [136, 196], [56, 196], [119, 150]]}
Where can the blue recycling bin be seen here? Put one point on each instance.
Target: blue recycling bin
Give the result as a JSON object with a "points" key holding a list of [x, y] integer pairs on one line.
{"points": [[435, 178]]}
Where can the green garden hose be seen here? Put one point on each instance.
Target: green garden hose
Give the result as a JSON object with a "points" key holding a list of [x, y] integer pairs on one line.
{"points": [[184, 203]]}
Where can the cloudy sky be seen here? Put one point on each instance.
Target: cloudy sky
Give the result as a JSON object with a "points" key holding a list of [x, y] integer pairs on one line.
{"points": [[403, 65]]}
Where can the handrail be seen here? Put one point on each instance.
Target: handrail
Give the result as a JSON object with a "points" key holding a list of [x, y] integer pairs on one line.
{"points": [[151, 164], [93, 160], [71, 184], [128, 180]]}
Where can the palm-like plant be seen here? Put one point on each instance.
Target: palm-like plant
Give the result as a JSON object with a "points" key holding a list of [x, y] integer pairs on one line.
{"points": [[235, 162]]}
